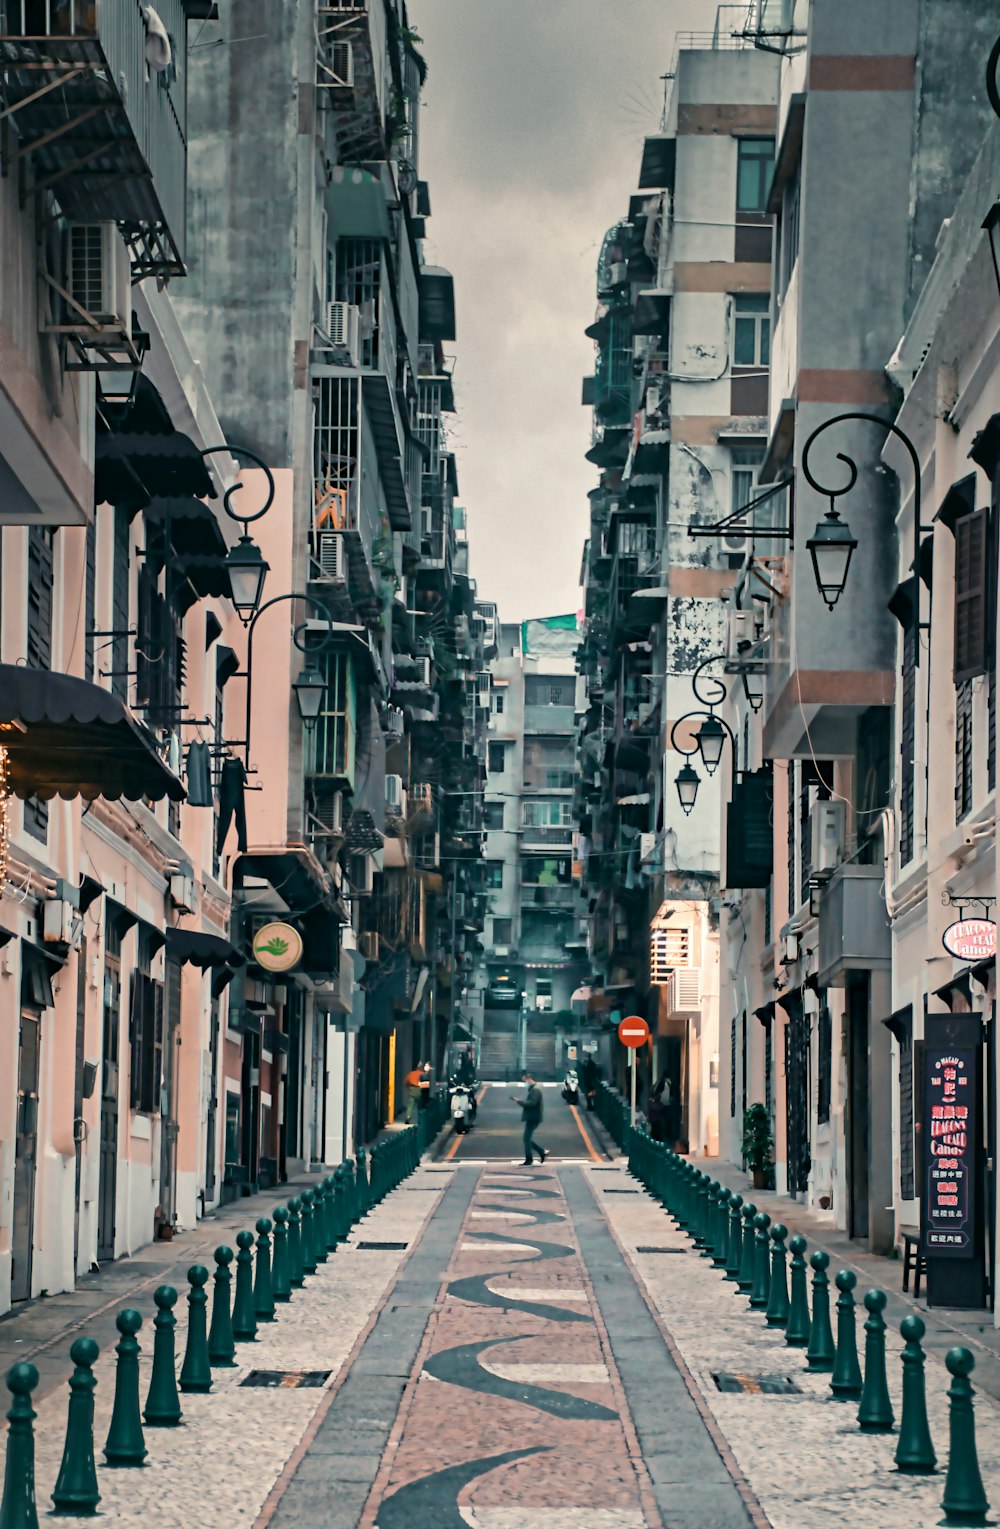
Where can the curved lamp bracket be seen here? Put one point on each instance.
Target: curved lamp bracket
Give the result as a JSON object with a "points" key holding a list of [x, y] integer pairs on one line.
{"points": [[236, 452], [702, 716], [992, 88], [833, 494], [720, 690]]}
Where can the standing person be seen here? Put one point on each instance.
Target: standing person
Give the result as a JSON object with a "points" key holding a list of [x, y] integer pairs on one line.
{"points": [[657, 1111], [414, 1084], [531, 1115], [590, 1076]]}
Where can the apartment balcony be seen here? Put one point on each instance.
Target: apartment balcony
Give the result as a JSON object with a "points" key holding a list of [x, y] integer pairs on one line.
{"points": [[104, 130], [420, 808], [355, 409], [855, 934], [549, 719], [353, 76], [554, 840]]}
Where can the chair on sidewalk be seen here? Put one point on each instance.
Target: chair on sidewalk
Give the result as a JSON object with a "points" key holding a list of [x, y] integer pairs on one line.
{"points": [[913, 1260]]}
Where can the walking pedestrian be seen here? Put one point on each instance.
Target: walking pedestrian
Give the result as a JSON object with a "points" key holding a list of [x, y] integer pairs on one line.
{"points": [[657, 1111], [414, 1083], [531, 1116]]}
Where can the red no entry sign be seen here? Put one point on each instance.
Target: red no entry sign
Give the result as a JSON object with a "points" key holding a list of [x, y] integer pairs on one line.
{"points": [[633, 1031]]}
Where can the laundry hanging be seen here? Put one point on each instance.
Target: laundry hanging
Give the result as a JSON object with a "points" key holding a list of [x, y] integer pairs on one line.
{"points": [[199, 777], [232, 804]]}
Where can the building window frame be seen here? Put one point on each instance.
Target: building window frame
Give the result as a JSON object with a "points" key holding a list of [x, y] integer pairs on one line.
{"points": [[754, 173]]}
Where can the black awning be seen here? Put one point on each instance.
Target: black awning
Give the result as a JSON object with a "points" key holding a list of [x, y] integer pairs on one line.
{"points": [[135, 467], [986, 446], [900, 1025], [652, 313], [66, 737], [611, 450], [925, 562], [226, 665], [188, 525], [904, 602], [956, 987], [295, 874], [659, 161], [195, 576], [958, 501], [193, 947], [37, 967], [765, 1014], [599, 330]]}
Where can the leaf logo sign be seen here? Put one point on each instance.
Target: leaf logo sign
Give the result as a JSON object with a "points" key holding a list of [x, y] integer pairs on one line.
{"points": [[277, 947]]}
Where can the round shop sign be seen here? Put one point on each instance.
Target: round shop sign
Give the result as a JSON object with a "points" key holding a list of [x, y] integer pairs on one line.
{"points": [[277, 947], [971, 939]]}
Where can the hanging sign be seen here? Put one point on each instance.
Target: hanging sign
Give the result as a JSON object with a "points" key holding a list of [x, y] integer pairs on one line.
{"points": [[949, 1136], [277, 947], [971, 939]]}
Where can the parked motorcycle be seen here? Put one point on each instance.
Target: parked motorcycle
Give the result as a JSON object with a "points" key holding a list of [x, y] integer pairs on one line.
{"points": [[571, 1087], [461, 1104]]}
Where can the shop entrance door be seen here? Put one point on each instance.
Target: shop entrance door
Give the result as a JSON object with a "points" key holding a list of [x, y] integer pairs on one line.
{"points": [[25, 1156], [859, 1107]]}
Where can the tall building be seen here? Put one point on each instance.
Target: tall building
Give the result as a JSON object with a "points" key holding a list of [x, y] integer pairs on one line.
{"points": [[533, 927], [241, 650]]}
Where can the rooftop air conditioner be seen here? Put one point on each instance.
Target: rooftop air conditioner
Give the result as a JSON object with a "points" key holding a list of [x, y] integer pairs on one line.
{"points": [[394, 793], [394, 722], [740, 635], [330, 559], [827, 827], [98, 276], [343, 326]]}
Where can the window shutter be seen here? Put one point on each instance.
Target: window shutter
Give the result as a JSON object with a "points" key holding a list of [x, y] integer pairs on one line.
{"points": [[970, 595]]}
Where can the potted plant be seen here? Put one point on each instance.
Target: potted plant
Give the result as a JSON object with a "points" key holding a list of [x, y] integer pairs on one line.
{"points": [[758, 1144]]}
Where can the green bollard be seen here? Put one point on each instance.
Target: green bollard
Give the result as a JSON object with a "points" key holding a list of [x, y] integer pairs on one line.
{"points": [[125, 1444], [319, 1222], [244, 1320], [720, 1242], [915, 1451], [797, 1327], [744, 1280], [263, 1295], [76, 1488], [308, 1233], [761, 1291], [196, 1372], [221, 1343], [709, 1191], [340, 1220], [281, 1286], [875, 1408], [330, 1214], [734, 1250], [845, 1382], [777, 1299], [364, 1187], [351, 1200], [964, 1500], [17, 1507], [295, 1275], [163, 1408], [819, 1353]]}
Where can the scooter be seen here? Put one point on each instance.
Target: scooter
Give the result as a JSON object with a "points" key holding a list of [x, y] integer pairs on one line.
{"points": [[461, 1108], [571, 1087]]}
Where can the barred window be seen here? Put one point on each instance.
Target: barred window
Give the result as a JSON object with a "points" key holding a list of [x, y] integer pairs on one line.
{"points": [[824, 1074], [907, 744], [963, 750]]}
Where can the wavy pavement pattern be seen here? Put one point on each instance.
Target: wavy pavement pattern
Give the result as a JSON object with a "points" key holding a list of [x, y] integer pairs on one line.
{"points": [[460, 1366], [431, 1502], [474, 1288]]}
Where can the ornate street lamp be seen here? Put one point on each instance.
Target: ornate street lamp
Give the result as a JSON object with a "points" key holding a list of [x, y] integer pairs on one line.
{"points": [[310, 689], [753, 689], [832, 545], [245, 563], [687, 783], [711, 739], [991, 222]]}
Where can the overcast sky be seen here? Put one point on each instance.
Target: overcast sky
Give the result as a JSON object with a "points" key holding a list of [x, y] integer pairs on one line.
{"points": [[531, 137]]}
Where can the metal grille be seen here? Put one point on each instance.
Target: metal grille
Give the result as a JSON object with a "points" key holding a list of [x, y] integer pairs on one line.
{"points": [[336, 449], [824, 1070], [756, 1385], [359, 281], [382, 1247], [287, 1380]]}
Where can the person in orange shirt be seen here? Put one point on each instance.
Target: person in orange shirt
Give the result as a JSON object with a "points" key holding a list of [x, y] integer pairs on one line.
{"points": [[415, 1082]]}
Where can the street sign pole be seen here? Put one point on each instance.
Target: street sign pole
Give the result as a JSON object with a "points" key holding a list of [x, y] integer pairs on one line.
{"points": [[631, 1061]]}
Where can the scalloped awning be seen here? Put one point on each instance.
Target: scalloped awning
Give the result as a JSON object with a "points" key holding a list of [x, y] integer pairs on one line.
{"points": [[66, 737]]}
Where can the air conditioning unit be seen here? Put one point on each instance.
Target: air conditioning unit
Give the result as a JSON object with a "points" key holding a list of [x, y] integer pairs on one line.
{"points": [[328, 809], [458, 904], [182, 889], [343, 327], [654, 398], [827, 829], [330, 558], [362, 874], [58, 916], [340, 62], [98, 276], [426, 521], [735, 538], [368, 944], [741, 635], [393, 723], [618, 273], [394, 793]]}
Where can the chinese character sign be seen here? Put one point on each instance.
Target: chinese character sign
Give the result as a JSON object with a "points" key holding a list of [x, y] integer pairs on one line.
{"points": [[949, 1133]]}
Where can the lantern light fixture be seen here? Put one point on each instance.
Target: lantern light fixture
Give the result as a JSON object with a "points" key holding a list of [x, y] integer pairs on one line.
{"points": [[688, 781], [831, 548], [711, 740], [310, 689], [753, 688], [247, 571]]}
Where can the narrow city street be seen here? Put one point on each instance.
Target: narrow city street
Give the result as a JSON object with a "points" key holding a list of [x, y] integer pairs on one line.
{"points": [[564, 1132], [510, 1348]]}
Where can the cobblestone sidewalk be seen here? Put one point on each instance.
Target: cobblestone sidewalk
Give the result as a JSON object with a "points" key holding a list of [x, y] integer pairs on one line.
{"points": [[803, 1453]]}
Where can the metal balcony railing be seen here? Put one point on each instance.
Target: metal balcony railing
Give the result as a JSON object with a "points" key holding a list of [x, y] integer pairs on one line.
{"points": [[107, 132]]}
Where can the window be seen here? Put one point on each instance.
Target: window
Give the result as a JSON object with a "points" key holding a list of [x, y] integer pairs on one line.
{"points": [[498, 703], [907, 742], [547, 814], [971, 549], [496, 758], [120, 603], [732, 1069], [789, 230], [330, 744], [38, 650], [544, 871], [494, 874], [548, 690], [824, 1075], [751, 329], [90, 602], [963, 750], [816, 784], [503, 930], [493, 815], [745, 465], [754, 169], [146, 1043]]}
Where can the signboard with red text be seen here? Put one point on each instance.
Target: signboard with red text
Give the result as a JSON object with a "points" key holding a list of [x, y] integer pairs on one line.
{"points": [[971, 939], [949, 1138]]}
